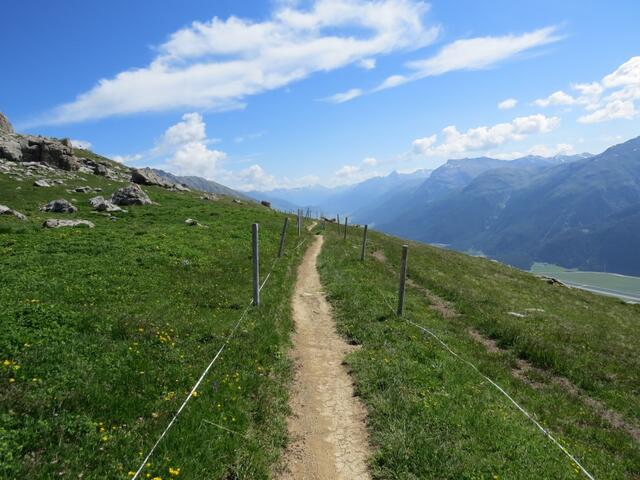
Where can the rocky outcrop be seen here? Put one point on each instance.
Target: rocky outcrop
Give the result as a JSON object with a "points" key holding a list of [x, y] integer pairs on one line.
{"points": [[103, 205], [57, 223], [5, 124], [59, 206], [29, 148], [131, 195], [4, 210], [148, 176]]}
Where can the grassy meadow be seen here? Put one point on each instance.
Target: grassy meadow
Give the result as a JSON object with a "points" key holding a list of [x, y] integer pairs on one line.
{"points": [[104, 331], [567, 356]]}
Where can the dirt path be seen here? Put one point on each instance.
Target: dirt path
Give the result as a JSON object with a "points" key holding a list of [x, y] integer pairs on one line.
{"points": [[327, 429]]}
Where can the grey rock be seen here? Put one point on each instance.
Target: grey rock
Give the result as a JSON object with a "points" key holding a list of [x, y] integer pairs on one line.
{"points": [[101, 170], [131, 195], [4, 210], [57, 223], [235, 200], [5, 124], [264, 203], [146, 176], [41, 183], [58, 155], [59, 206], [86, 189], [210, 197], [102, 205], [10, 148], [194, 223]]}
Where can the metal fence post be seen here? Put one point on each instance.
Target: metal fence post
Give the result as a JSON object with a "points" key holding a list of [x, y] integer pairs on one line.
{"points": [[346, 221], [364, 243], [284, 233], [403, 279], [256, 264]]}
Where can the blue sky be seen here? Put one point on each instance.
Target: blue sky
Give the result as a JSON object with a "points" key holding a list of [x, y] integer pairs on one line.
{"points": [[288, 93]]}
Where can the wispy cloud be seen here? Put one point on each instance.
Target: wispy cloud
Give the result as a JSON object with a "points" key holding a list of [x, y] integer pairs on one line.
{"points": [[216, 65], [471, 54], [507, 104]]}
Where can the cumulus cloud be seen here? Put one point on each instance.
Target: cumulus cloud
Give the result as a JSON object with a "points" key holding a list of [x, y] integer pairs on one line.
{"points": [[507, 104], [556, 98], [455, 143], [356, 173], [256, 177], [367, 63], [613, 97], [215, 65], [81, 144]]}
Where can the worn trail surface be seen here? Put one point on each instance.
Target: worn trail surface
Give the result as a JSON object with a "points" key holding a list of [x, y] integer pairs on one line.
{"points": [[327, 429]]}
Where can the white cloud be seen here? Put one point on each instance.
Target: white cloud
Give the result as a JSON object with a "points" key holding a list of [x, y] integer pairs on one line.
{"points": [[622, 85], [81, 144], [470, 54], [455, 143], [344, 96], [367, 63], [507, 104], [611, 111], [257, 178], [127, 159], [370, 162], [347, 171], [195, 158], [215, 65], [556, 98], [482, 52], [552, 151]]}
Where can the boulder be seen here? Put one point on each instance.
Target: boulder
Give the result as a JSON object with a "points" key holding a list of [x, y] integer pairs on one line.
{"points": [[131, 195], [86, 189], [59, 206], [41, 183], [58, 155], [264, 203], [4, 210], [146, 176], [235, 200], [102, 205], [57, 223], [101, 170], [10, 148], [5, 124]]}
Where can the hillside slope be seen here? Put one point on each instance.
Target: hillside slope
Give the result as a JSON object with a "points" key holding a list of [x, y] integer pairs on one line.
{"points": [[568, 357], [104, 330]]}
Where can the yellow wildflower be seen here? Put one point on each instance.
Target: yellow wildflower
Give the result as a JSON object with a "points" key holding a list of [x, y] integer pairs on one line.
{"points": [[174, 471]]}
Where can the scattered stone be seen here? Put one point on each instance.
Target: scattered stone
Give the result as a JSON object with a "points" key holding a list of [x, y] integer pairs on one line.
{"points": [[131, 195], [86, 189], [194, 223], [57, 223], [102, 205], [265, 203], [516, 314], [41, 183], [59, 206], [210, 197], [4, 210], [235, 200]]}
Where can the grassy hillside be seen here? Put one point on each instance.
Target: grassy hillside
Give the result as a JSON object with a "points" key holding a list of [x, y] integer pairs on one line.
{"points": [[567, 356], [103, 332]]}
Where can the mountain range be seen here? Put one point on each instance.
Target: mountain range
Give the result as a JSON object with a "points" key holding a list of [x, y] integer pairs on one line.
{"points": [[578, 211]]}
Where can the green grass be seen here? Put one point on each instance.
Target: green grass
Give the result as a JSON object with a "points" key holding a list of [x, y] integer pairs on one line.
{"points": [[103, 332], [432, 416]]}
